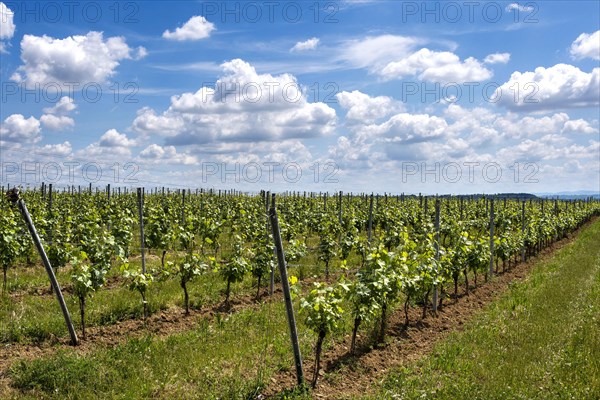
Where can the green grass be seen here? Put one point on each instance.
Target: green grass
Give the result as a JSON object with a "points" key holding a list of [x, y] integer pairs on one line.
{"points": [[541, 340], [34, 318], [233, 357]]}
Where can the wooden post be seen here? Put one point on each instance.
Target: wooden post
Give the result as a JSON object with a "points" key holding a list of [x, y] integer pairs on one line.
{"points": [[286, 292], [141, 219], [340, 207], [491, 271], [370, 224], [272, 277], [50, 213], [523, 230], [14, 198], [183, 208], [437, 250]]}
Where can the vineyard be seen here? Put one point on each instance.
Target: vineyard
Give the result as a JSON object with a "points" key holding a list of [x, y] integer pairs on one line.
{"points": [[150, 278]]}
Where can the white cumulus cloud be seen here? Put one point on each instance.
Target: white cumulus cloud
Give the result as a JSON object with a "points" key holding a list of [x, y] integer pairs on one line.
{"points": [[112, 138], [57, 122], [558, 87], [7, 25], [243, 106], [166, 154], [309, 44], [497, 58], [64, 106], [78, 58], [437, 66], [17, 128], [111, 146], [587, 45], [195, 29], [60, 149], [364, 108], [579, 126]]}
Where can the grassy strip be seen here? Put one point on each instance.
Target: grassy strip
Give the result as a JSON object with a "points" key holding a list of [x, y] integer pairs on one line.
{"points": [[230, 358], [541, 340], [34, 318]]}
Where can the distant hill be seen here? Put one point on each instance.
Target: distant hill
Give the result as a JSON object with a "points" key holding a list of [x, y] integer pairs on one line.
{"points": [[575, 195], [522, 196], [519, 196]]}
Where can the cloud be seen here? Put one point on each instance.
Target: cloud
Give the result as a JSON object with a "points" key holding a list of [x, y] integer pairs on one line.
{"points": [[7, 25], [17, 128], [459, 135], [64, 106], [55, 117], [436, 66], [56, 123], [195, 29], [375, 52], [364, 108], [482, 126], [309, 44], [285, 151], [243, 106], [140, 53], [112, 145], [396, 57], [559, 87], [371, 144], [586, 46], [477, 125], [81, 59], [147, 122], [57, 150], [497, 58], [411, 128], [518, 7], [514, 127], [112, 138], [579, 126], [166, 154], [354, 152], [548, 148]]}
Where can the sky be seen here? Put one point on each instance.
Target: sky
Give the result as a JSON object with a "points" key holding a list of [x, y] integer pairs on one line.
{"points": [[451, 97]]}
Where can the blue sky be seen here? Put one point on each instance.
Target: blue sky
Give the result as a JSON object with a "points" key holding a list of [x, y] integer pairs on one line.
{"points": [[385, 96]]}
